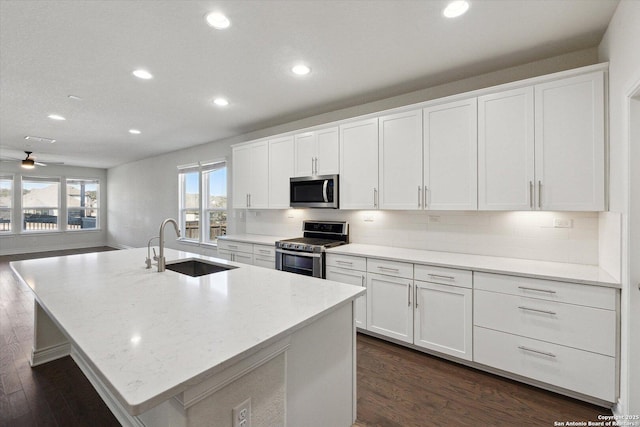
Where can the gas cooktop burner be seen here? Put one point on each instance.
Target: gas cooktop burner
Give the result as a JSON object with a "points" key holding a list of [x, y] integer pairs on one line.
{"points": [[318, 236]]}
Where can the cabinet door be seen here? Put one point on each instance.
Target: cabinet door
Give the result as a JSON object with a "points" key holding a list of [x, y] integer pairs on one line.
{"points": [[327, 152], [443, 319], [450, 156], [506, 151], [259, 186], [305, 153], [241, 176], [263, 261], [281, 168], [359, 165], [400, 156], [569, 135], [390, 307], [356, 278], [243, 257], [225, 254]]}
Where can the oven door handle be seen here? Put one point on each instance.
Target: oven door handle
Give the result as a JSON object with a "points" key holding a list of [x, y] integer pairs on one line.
{"points": [[324, 190], [295, 253]]}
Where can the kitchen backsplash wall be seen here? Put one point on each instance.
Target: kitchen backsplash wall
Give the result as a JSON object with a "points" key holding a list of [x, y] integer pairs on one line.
{"points": [[528, 235]]}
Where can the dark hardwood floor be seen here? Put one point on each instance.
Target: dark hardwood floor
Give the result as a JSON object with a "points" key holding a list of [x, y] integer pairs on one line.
{"points": [[397, 387]]}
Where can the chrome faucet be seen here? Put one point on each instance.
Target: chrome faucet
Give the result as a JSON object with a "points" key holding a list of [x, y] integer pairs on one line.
{"points": [[161, 260]]}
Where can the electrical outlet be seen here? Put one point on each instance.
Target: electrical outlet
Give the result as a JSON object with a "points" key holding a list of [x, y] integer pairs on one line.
{"points": [[242, 414], [562, 223]]}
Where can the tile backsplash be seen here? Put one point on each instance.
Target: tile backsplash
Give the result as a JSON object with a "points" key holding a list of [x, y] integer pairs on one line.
{"points": [[528, 235]]}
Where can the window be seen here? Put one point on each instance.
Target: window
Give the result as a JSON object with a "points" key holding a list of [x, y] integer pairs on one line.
{"points": [[40, 203], [82, 204], [6, 202], [203, 201]]}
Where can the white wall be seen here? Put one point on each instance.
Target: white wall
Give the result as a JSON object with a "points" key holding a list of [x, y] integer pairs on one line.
{"points": [[17, 242], [621, 47]]}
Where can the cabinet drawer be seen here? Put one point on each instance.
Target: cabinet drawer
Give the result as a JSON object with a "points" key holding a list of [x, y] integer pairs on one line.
{"points": [[572, 293], [264, 261], [445, 276], [264, 251], [581, 371], [231, 245], [390, 268], [347, 261], [585, 328]]}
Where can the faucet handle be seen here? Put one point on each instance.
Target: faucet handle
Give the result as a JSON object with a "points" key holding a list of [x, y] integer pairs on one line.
{"points": [[155, 256]]}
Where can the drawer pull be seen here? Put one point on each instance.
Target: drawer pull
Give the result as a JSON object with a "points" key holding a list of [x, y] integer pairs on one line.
{"points": [[553, 313], [544, 353], [397, 270], [264, 251], [233, 246], [438, 276], [338, 261], [548, 291]]}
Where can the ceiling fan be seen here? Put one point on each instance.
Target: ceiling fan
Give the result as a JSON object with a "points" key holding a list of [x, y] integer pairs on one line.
{"points": [[29, 162]]}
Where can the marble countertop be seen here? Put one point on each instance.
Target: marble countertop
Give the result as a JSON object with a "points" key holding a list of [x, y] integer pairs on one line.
{"points": [[254, 238], [577, 273], [150, 335]]}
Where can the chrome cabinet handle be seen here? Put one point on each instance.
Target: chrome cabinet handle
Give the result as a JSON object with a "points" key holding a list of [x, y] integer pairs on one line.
{"points": [[317, 166], [233, 246], [553, 313], [312, 167], [339, 261], [375, 197], [264, 251], [419, 197], [531, 194], [409, 295], [544, 353], [389, 269], [540, 194], [438, 276], [548, 291], [362, 277], [427, 196], [415, 295]]}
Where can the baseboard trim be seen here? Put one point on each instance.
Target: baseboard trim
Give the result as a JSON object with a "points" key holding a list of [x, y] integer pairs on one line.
{"points": [[55, 352]]}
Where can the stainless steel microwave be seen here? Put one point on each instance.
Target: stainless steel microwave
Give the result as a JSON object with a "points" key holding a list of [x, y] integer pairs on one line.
{"points": [[314, 192]]}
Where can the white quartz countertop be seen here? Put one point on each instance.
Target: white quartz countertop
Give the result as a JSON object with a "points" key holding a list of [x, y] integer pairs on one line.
{"points": [[254, 238], [577, 273], [150, 335]]}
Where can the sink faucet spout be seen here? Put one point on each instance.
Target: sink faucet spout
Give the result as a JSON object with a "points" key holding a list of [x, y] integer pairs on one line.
{"points": [[161, 260]]}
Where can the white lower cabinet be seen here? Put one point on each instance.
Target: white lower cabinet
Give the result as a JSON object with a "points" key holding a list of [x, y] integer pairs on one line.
{"points": [[353, 271], [247, 253], [443, 319], [563, 334], [264, 256], [389, 306]]}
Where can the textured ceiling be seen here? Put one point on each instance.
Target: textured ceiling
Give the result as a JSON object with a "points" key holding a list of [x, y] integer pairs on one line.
{"points": [[359, 51]]}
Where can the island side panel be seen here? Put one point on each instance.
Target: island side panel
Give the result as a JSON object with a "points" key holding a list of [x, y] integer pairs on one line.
{"points": [[321, 370], [49, 343]]}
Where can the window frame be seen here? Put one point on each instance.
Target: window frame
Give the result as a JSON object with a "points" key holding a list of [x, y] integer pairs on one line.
{"points": [[203, 210], [11, 207], [59, 208], [95, 208]]}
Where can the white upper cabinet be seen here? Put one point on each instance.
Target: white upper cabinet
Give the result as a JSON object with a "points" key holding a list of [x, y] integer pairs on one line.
{"points": [[570, 143], [281, 165], [400, 154], [506, 150], [316, 152], [359, 165], [450, 156], [251, 176]]}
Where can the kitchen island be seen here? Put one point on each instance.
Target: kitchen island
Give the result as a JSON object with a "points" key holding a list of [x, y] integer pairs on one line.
{"points": [[171, 349]]}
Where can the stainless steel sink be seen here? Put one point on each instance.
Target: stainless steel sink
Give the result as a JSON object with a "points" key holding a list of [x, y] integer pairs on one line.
{"points": [[197, 267]]}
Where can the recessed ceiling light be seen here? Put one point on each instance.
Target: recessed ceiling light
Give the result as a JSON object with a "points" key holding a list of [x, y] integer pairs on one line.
{"points": [[143, 74], [134, 131], [221, 102], [456, 8], [218, 21], [56, 117], [39, 139], [301, 69]]}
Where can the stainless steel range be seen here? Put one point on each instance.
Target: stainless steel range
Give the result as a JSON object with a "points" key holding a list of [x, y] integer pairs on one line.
{"points": [[306, 255]]}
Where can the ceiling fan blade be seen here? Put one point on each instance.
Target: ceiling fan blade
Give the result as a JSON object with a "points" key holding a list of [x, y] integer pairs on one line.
{"points": [[39, 164]]}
